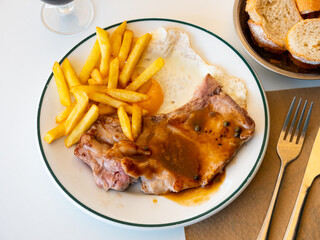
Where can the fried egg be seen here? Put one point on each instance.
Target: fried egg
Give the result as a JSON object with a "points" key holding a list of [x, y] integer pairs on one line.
{"points": [[184, 70]]}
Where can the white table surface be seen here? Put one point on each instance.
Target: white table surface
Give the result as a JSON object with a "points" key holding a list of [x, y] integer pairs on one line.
{"points": [[31, 207]]}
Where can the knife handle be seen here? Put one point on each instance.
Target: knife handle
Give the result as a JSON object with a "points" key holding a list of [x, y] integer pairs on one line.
{"points": [[292, 228]]}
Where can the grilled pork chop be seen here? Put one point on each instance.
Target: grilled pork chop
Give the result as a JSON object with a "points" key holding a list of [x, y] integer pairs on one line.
{"points": [[179, 150], [102, 148]]}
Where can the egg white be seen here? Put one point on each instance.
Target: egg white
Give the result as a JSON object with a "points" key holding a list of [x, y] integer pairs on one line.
{"points": [[184, 70]]}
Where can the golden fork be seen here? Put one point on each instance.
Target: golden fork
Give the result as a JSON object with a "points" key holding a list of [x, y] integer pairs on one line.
{"points": [[288, 148]]}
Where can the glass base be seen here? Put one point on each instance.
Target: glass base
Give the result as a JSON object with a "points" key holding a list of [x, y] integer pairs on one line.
{"points": [[68, 19]]}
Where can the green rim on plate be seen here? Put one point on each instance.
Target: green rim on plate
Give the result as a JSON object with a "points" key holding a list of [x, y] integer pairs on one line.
{"points": [[185, 221]]}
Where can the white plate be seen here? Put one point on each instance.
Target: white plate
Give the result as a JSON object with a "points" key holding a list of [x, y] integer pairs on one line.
{"points": [[133, 208]]}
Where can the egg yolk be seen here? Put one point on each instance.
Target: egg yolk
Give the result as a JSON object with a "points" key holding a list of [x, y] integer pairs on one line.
{"points": [[155, 98]]}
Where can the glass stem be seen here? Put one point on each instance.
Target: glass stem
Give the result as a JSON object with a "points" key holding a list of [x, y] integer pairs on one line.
{"points": [[66, 9]]}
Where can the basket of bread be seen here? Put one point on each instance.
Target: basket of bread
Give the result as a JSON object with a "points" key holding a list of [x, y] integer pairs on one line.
{"points": [[282, 35]]}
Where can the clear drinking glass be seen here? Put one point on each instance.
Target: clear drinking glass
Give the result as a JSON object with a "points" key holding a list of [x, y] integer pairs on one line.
{"points": [[67, 16]]}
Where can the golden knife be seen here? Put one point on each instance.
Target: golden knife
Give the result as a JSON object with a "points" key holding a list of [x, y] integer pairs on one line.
{"points": [[311, 172]]}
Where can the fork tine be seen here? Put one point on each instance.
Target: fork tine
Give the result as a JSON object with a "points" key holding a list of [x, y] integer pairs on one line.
{"points": [[305, 126], [294, 121], [285, 124], [295, 137]]}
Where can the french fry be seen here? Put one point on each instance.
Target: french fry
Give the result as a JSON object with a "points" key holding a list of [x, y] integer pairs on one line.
{"points": [[85, 123], [89, 89], [65, 113], [120, 29], [116, 45], [96, 76], [145, 87], [116, 38], [105, 49], [89, 106], [136, 121], [125, 47], [125, 123], [91, 63], [77, 95], [134, 75], [133, 43], [69, 73], [113, 73], [105, 109], [92, 82], [62, 86], [133, 58], [55, 133], [126, 96], [148, 73], [77, 112], [106, 80], [105, 99]]}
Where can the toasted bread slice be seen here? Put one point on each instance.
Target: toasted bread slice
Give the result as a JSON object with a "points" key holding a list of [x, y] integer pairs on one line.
{"points": [[262, 39], [303, 42], [270, 20], [308, 6]]}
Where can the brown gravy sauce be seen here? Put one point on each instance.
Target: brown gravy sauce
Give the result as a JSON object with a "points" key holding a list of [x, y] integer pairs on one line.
{"points": [[196, 196]]}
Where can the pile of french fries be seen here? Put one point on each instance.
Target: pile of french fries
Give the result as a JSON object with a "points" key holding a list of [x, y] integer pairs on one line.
{"points": [[107, 84]]}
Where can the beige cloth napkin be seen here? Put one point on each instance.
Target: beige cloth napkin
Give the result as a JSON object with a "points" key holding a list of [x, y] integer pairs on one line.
{"points": [[243, 218]]}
